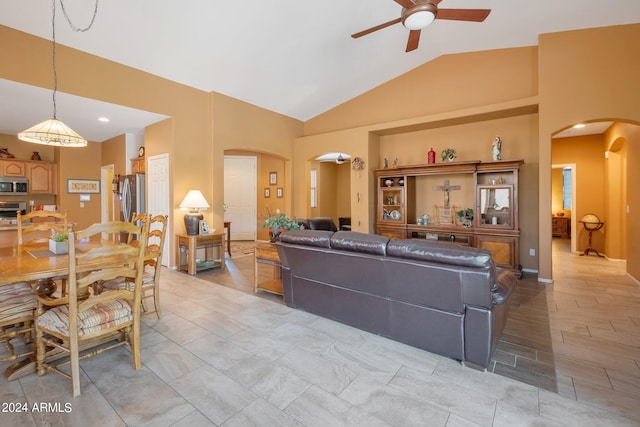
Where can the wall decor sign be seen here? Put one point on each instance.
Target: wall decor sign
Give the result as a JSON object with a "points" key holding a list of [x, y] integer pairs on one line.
{"points": [[273, 178], [83, 186], [267, 193], [279, 192]]}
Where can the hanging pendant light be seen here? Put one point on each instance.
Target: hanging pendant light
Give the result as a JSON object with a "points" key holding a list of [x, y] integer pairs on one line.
{"points": [[53, 131]]}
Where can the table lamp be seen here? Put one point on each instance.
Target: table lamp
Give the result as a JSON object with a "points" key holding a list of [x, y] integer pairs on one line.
{"points": [[194, 201]]}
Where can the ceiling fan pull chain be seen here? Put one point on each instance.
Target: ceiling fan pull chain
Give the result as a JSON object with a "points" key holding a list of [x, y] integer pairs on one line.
{"points": [[71, 24]]}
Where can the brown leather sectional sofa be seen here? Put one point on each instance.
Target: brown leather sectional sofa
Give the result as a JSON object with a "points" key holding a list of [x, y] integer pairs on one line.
{"points": [[440, 297]]}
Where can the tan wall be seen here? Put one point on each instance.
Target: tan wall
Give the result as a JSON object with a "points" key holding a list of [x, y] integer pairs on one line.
{"points": [[587, 153], [448, 83], [80, 163], [587, 75], [622, 141]]}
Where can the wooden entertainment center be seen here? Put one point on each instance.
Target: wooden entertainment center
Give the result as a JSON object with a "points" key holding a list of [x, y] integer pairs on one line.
{"points": [[408, 194]]}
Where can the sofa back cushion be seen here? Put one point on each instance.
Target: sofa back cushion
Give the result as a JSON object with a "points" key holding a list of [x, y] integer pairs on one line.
{"points": [[440, 252], [354, 241], [315, 238]]}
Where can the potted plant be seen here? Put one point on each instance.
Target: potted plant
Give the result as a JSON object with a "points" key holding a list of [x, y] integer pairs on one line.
{"points": [[59, 243], [465, 217], [280, 222], [448, 154]]}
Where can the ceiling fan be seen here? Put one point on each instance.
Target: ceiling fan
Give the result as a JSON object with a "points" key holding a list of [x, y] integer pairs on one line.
{"points": [[418, 14]]}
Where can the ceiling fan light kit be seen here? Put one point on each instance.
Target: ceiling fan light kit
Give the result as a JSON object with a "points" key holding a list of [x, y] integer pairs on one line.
{"points": [[419, 16]]}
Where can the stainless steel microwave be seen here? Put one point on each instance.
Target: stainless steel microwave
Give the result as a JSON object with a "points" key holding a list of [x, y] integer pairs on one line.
{"points": [[10, 185]]}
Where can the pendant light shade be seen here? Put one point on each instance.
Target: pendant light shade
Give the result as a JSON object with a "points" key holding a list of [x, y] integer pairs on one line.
{"points": [[53, 132]]}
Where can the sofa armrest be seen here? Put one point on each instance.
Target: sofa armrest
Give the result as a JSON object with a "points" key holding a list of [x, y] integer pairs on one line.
{"points": [[506, 282]]}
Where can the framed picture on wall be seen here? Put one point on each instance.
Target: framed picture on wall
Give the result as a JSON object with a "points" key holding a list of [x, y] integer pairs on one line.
{"points": [[273, 178], [279, 192], [204, 228], [267, 193], [75, 186]]}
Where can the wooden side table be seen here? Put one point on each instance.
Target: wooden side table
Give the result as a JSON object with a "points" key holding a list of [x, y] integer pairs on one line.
{"points": [[266, 253], [227, 225], [187, 247]]}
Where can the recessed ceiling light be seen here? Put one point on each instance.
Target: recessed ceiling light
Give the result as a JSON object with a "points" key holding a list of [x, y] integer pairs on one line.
{"points": [[103, 119], [579, 126]]}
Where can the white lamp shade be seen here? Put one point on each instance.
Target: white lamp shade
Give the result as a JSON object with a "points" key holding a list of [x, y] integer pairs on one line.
{"points": [[194, 200], [53, 132]]}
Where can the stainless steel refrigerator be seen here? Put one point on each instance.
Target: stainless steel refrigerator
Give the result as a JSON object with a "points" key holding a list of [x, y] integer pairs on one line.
{"points": [[132, 197]]}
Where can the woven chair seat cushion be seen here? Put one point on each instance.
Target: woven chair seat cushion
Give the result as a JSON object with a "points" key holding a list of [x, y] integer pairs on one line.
{"points": [[117, 284], [16, 301], [90, 321]]}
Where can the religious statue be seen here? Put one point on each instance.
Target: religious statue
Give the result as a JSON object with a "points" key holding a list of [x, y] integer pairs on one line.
{"points": [[496, 148]]}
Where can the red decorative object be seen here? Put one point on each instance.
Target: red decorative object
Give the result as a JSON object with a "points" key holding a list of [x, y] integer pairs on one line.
{"points": [[431, 156]]}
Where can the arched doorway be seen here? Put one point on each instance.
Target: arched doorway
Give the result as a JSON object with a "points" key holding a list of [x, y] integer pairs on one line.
{"points": [[597, 156]]}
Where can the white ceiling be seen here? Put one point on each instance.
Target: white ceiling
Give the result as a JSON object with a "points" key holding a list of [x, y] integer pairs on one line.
{"points": [[294, 57]]}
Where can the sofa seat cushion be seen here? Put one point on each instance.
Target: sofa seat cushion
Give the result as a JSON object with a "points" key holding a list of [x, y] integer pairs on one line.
{"points": [[442, 253], [16, 301], [315, 238], [90, 321], [354, 241]]}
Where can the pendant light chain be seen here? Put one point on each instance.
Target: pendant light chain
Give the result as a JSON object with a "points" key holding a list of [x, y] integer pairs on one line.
{"points": [[71, 24], [53, 39]]}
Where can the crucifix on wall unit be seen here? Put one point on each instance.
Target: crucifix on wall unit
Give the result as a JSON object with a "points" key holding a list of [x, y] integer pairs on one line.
{"points": [[446, 188]]}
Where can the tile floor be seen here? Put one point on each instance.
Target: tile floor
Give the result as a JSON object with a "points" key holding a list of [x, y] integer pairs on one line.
{"points": [[221, 356]]}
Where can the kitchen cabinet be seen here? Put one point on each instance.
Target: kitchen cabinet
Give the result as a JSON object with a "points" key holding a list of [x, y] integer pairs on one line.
{"points": [[42, 177], [137, 165], [12, 168]]}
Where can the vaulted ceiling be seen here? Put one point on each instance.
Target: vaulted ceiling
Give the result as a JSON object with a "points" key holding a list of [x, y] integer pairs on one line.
{"points": [[294, 57]]}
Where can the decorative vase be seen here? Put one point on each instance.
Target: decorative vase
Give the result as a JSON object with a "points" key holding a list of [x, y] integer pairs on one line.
{"points": [[389, 182], [35, 156], [431, 156], [59, 247]]}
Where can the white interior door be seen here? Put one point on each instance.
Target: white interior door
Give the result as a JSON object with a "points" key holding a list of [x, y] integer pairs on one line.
{"points": [[158, 203], [240, 195]]}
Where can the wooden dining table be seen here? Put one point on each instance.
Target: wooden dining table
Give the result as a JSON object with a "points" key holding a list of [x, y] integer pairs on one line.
{"points": [[33, 262]]}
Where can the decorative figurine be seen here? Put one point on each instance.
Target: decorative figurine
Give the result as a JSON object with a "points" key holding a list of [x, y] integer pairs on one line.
{"points": [[395, 163], [386, 163], [496, 149], [5, 154]]}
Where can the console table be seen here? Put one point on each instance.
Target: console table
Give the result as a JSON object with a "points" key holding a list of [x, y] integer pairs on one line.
{"points": [[266, 253], [188, 245]]}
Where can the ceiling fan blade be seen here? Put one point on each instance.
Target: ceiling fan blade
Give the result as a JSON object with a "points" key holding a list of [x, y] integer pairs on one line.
{"points": [[474, 15], [376, 28], [405, 3], [414, 39]]}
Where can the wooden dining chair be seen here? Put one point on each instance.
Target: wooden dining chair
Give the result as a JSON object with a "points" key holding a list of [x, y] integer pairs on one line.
{"points": [[153, 264], [44, 221], [17, 305], [83, 324]]}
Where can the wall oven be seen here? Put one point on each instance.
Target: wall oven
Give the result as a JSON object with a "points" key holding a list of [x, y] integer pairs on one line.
{"points": [[10, 186]]}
